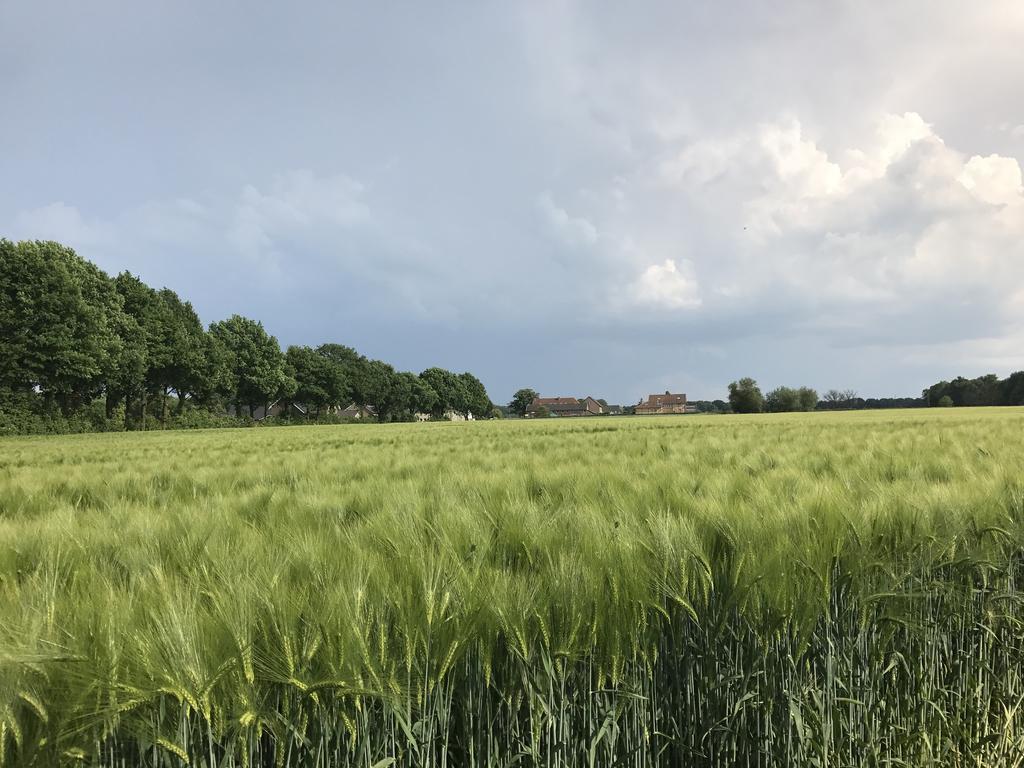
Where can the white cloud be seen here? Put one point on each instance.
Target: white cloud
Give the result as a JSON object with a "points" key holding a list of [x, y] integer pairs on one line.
{"points": [[295, 203], [800, 165], [702, 161], [897, 221], [900, 226], [895, 134], [573, 231], [56, 221], [993, 179], [667, 286]]}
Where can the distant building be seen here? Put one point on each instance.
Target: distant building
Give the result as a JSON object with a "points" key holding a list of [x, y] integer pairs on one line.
{"points": [[614, 410], [662, 404], [276, 408], [358, 412], [565, 406], [448, 415]]}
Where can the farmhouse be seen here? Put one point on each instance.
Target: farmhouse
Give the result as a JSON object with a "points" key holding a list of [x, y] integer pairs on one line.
{"points": [[276, 408], [358, 412], [564, 406], [659, 404]]}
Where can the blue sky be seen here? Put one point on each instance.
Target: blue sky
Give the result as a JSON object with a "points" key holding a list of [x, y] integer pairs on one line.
{"points": [[584, 198]]}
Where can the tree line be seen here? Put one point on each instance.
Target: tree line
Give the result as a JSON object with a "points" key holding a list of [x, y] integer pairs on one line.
{"points": [[746, 397], [85, 350], [984, 390]]}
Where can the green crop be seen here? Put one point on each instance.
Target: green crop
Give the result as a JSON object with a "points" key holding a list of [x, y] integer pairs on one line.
{"points": [[807, 590]]}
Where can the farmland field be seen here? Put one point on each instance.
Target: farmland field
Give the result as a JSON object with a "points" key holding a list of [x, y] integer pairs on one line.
{"points": [[812, 589]]}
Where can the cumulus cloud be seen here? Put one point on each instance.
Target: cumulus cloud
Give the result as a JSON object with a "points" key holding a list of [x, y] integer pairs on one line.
{"points": [[295, 202], [993, 179], [574, 231], [55, 221], [667, 286], [903, 219]]}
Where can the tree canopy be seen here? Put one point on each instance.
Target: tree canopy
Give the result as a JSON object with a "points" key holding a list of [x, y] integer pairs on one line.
{"points": [[521, 401], [784, 399], [745, 396], [73, 336], [983, 390]]}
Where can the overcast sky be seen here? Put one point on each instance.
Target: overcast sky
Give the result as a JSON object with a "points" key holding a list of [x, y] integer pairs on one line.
{"points": [[584, 198]]}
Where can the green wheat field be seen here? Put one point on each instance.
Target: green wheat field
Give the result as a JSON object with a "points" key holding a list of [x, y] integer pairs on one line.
{"points": [[808, 590]]}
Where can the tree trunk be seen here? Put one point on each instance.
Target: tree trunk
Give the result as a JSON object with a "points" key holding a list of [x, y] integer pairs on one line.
{"points": [[112, 401], [163, 408]]}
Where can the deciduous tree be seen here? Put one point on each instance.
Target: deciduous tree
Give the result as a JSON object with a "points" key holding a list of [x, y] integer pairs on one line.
{"points": [[257, 361], [521, 401], [745, 396], [320, 380], [56, 321]]}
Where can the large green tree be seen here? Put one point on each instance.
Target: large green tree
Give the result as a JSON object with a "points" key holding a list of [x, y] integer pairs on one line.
{"points": [[320, 380], [1012, 389], [745, 396], [151, 316], [521, 401], [58, 322], [396, 401], [450, 390], [217, 381], [476, 400], [782, 399], [183, 344], [808, 398], [424, 398], [353, 366], [126, 375], [256, 361]]}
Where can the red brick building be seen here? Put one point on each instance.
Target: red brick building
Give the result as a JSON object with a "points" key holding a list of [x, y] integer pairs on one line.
{"points": [[659, 404], [565, 406]]}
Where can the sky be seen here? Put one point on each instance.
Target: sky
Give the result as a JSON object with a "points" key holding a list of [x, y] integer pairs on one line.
{"points": [[598, 198]]}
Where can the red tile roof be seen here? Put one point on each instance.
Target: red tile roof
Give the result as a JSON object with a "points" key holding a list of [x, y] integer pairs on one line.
{"points": [[666, 399], [539, 401]]}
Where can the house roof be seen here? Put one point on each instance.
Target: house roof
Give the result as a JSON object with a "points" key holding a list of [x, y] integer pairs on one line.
{"points": [[549, 401], [665, 399], [353, 407]]}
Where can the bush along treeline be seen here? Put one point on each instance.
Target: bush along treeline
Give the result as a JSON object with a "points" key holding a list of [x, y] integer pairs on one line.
{"points": [[81, 351]]}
